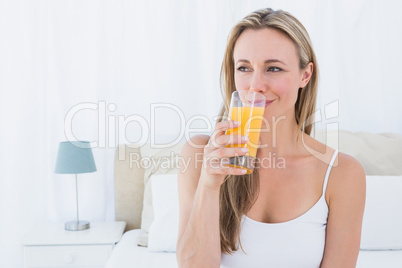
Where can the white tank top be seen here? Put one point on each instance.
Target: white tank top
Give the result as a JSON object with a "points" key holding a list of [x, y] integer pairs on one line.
{"points": [[296, 243]]}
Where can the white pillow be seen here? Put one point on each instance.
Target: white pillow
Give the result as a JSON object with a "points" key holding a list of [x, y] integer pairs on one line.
{"points": [[382, 220], [157, 161], [163, 231]]}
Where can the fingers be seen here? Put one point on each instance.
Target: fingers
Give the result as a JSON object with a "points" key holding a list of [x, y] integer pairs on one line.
{"points": [[217, 149], [216, 168], [222, 126], [213, 162], [217, 145], [233, 171], [226, 124], [218, 137], [226, 140], [226, 152]]}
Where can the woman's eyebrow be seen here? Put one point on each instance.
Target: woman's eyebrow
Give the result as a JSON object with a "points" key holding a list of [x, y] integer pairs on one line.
{"points": [[273, 61], [266, 61]]}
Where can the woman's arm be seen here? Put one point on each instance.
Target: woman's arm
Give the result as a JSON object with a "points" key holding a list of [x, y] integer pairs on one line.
{"points": [[347, 194], [198, 243], [199, 180]]}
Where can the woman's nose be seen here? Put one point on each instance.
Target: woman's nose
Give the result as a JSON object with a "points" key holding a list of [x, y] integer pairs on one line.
{"points": [[257, 83]]}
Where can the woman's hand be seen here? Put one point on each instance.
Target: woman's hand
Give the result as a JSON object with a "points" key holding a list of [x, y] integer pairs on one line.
{"points": [[213, 172]]}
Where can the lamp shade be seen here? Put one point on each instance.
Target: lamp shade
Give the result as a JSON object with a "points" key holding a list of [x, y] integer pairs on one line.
{"points": [[75, 157]]}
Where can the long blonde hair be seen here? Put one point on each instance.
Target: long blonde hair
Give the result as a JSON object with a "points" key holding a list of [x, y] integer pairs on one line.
{"points": [[238, 193]]}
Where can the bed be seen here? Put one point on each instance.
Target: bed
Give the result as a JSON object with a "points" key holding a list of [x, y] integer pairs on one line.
{"points": [[127, 254], [146, 199]]}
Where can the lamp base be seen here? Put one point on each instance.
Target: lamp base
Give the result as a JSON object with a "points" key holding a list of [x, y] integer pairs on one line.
{"points": [[76, 225]]}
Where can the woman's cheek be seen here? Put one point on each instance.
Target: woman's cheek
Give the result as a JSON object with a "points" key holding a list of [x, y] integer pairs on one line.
{"points": [[285, 89], [280, 88], [241, 84]]}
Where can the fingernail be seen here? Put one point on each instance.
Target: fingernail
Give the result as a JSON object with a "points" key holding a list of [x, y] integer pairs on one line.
{"points": [[244, 150], [244, 138], [236, 122], [243, 171]]}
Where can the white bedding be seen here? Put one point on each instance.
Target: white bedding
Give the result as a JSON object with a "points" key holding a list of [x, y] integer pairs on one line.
{"points": [[379, 259], [128, 254]]}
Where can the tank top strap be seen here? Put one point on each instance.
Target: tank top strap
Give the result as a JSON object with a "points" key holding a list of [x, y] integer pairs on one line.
{"points": [[331, 163]]}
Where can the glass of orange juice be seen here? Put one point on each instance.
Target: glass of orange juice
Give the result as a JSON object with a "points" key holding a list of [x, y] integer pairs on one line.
{"points": [[246, 107]]}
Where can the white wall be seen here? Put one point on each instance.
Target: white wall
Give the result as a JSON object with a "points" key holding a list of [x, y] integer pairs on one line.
{"points": [[55, 55]]}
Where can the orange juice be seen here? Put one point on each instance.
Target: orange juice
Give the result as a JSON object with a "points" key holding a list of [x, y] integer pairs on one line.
{"points": [[250, 119]]}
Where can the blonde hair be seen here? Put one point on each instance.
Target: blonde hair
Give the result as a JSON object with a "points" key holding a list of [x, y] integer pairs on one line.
{"points": [[238, 193]]}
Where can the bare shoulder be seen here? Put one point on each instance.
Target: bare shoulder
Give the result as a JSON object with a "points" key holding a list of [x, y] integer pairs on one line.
{"points": [[348, 164], [343, 163], [346, 169], [347, 179], [347, 196]]}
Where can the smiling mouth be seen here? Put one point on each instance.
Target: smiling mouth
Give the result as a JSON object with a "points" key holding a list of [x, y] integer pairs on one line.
{"points": [[268, 102]]}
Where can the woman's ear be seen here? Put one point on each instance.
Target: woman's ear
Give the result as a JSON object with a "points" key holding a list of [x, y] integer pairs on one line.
{"points": [[306, 74]]}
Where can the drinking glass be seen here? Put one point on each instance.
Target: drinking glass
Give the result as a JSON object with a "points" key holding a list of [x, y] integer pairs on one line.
{"points": [[246, 107]]}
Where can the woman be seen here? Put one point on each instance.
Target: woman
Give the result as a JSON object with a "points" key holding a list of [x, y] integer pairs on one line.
{"points": [[306, 213]]}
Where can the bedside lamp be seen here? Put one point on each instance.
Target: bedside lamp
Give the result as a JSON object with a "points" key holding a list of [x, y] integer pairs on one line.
{"points": [[75, 157]]}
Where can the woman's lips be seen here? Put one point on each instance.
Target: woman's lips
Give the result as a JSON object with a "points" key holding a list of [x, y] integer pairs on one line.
{"points": [[268, 102]]}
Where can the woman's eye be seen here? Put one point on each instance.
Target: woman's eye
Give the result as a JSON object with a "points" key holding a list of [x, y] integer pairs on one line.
{"points": [[274, 69], [243, 69]]}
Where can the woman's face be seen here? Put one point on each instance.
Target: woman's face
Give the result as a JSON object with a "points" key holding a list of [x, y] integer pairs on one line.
{"points": [[267, 61]]}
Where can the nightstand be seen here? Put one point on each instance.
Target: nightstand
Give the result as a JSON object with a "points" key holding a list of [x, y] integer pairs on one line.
{"points": [[50, 245]]}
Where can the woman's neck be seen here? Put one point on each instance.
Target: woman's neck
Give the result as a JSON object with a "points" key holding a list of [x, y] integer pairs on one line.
{"points": [[282, 137]]}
